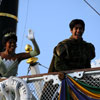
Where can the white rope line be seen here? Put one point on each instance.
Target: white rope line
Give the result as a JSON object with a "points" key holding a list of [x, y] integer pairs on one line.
{"points": [[25, 25]]}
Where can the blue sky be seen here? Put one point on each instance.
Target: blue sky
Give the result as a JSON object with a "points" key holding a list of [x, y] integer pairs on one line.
{"points": [[50, 19]]}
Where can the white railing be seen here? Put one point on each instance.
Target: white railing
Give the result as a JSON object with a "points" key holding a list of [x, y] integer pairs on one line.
{"points": [[43, 86], [14, 88]]}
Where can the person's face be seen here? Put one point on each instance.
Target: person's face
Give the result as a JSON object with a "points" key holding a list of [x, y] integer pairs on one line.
{"points": [[11, 45], [77, 31]]}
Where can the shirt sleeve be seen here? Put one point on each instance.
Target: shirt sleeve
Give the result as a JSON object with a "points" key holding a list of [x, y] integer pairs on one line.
{"points": [[91, 52], [60, 49]]}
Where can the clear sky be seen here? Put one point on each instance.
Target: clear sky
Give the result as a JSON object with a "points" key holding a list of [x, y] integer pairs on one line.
{"points": [[50, 19]]}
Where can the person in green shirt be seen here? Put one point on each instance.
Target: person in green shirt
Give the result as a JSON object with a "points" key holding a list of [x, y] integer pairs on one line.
{"points": [[69, 54], [73, 53], [9, 60]]}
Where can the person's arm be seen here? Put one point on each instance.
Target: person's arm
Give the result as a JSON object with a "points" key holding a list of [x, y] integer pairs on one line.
{"points": [[60, 54], [32, 53], [92, 51], [60, 49], [36, 50]]}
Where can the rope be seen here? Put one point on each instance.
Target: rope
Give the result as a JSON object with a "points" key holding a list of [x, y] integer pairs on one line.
{"points": [[92, 7], [25, 24], [43, 66], [36, 63]]}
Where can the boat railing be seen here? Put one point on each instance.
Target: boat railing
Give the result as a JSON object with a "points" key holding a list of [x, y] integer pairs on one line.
{"points": [[48, 86]]}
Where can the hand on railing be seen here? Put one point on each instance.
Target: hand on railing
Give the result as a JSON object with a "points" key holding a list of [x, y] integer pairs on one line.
{"points": [[61, 76]]}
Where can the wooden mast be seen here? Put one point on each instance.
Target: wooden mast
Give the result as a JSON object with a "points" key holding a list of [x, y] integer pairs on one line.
{"points": [[8, 17]]}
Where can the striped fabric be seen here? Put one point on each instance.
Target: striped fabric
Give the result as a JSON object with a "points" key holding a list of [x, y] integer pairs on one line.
{"points": [[78, 91]]}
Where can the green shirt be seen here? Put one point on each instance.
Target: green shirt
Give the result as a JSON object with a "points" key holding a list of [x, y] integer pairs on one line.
{"points": [[72, 54]]}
